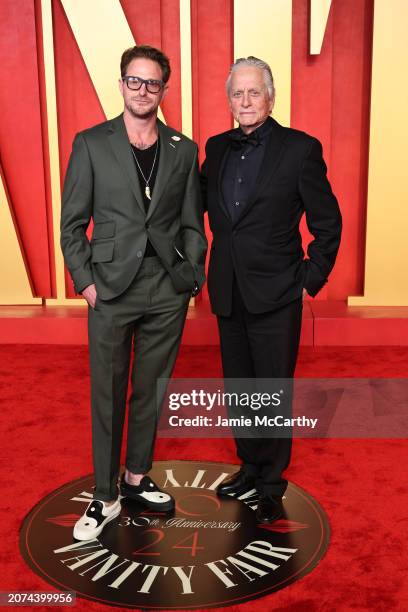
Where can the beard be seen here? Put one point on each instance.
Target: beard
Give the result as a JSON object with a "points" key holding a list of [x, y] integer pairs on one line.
{"points": [[141, 112]]}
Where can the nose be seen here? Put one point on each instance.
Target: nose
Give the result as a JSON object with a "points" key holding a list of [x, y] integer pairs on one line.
{"points": [[246, 100], [143, 90]]}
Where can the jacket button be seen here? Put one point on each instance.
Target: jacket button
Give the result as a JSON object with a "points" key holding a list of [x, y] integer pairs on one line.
{"points": [[147, 226], [139, 254]]}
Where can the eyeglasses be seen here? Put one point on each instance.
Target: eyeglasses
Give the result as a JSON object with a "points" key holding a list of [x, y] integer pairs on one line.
{"points": [[134, 83]]}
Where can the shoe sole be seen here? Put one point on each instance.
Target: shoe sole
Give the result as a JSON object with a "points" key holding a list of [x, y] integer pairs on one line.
{"points": [[99, 530], [269, 522], [160, 507]]}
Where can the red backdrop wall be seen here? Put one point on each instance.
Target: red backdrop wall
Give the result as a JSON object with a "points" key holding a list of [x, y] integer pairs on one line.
{"points": [[330, 99]]}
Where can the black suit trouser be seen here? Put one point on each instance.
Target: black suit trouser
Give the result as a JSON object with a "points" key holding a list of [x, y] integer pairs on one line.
{"points": [[261, 346]]}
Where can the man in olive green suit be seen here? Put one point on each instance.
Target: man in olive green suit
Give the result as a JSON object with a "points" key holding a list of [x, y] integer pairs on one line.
{"points": [[137, 179]]}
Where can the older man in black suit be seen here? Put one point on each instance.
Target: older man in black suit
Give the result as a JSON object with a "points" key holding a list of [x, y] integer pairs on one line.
{"points": [[258, 180]]}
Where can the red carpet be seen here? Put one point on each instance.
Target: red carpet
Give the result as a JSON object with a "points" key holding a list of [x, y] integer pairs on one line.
{"points": [[362, 484]]}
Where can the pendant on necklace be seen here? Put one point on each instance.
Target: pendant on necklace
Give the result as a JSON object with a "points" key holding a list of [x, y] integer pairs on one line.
{"points": [[147, 192]]}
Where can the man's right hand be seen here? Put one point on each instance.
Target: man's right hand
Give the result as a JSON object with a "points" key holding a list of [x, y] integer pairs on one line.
{"points": [[89, 294]]}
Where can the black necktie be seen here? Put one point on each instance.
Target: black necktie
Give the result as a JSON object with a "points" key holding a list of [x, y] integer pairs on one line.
{"points": [[239, 140]]}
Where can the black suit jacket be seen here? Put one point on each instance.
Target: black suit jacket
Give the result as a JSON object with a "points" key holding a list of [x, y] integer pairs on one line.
{"points": [[263, 247]]}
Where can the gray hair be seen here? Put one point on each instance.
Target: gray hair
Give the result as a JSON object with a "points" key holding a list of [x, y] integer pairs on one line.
{"points": [[257, 63]]}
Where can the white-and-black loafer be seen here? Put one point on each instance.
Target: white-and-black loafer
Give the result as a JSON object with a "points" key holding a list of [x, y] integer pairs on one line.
{"points": [[148, 494], [94, 519]]}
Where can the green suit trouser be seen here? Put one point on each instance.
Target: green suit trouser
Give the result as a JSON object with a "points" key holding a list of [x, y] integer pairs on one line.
{"points": [[150, 315]]}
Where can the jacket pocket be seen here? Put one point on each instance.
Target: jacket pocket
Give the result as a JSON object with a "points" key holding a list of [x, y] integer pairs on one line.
{"points": [[102, 252], [105, 229]]}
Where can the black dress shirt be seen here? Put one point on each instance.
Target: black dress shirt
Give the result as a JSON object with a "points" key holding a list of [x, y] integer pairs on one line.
{"points": [[242, 168]]}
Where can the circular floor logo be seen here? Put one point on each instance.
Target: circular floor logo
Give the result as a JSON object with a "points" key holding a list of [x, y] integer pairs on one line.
{"points": [[209, 552]]}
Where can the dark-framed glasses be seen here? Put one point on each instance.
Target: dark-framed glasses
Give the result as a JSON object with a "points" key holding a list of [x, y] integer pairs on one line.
{"points": [[134, 83]]}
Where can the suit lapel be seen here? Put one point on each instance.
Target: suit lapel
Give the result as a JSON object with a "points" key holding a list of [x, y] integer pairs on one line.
{"points": [[168, 152], [271, 158], [220, 164], [119, 142]]}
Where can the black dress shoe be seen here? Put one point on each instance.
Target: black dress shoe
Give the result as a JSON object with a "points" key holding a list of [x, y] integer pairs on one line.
{"points": [[269, 509], [236, 483]]}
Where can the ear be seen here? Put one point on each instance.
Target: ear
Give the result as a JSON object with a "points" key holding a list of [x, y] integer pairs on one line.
{"points": [[271, 104], [121, 85], [164, 92]]}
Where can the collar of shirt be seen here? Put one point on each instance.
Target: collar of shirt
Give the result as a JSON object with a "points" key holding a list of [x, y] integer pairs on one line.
{"points": [[261, 132]]}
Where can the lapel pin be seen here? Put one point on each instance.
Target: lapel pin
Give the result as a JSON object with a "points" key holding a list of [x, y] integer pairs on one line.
{"points": [[177, 138]]}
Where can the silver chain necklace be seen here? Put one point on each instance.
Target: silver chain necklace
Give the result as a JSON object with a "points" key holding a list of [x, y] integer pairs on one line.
{"points": [[147, 180]]}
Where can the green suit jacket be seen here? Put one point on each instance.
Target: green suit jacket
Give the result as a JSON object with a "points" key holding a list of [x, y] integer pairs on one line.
{"points": [[102, 184]]}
